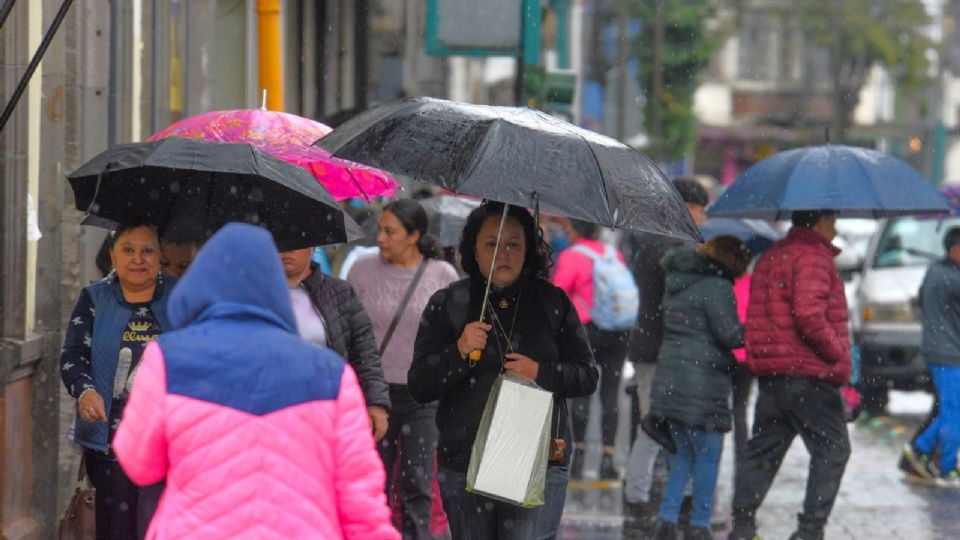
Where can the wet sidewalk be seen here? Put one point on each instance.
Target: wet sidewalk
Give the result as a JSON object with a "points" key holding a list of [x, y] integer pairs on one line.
{"points": [[875, 501]]}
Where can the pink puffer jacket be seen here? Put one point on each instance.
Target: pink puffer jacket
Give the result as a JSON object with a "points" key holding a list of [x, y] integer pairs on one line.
{"points": [[797, 316], [232, 474], [259, 434]]}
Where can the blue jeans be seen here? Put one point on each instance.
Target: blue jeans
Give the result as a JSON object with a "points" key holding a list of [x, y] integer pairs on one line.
{"points": [[697, 457], [944, 431], [475, 517]]}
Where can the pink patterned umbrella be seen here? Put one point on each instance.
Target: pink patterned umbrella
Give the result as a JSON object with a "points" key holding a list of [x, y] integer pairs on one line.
{"points": [[290, 138]]}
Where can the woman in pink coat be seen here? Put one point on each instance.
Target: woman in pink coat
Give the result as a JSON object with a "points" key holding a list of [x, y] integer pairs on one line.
{"points": [[258, 434]]}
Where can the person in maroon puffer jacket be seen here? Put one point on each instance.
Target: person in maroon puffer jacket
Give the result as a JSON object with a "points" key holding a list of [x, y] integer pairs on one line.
{"points": [[799, 348]]}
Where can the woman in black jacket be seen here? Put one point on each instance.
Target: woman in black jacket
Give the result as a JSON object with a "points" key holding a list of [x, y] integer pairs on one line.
{"points": [[691, 387], [531, 331], [329, 314]]}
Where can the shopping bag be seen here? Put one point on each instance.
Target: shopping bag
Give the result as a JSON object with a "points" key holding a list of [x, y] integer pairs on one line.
{"points": [[508, 461], [79, 521]]}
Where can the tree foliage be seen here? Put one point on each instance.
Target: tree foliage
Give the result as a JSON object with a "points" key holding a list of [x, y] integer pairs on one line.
{"points": [[858, 34], [688, 46]]}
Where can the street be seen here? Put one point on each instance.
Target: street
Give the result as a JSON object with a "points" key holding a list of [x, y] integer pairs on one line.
{"points": [[875, 502]]}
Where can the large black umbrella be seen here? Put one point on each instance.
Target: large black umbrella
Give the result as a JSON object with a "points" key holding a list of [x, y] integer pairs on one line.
{"points": [[199, 186], [517, 156]]}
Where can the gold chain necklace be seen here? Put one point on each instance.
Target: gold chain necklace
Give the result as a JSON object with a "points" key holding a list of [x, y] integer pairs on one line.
{"points": [[507, 335]]}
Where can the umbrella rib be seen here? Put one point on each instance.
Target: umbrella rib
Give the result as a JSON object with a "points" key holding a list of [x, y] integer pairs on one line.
{"points": [[596, 161]]}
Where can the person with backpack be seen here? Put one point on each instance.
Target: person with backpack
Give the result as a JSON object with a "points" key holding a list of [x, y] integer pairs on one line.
{"points": [[595, 277]]}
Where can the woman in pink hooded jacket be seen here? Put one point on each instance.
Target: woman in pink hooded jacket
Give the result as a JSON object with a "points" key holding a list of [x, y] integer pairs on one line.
{"points": [[258, 434]]}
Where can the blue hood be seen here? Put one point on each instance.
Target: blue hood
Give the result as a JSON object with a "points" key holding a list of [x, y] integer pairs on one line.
{"points": [[237, 274]]}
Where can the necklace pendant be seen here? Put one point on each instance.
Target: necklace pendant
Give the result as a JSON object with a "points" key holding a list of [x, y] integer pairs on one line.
{"points": [[504, 304]]}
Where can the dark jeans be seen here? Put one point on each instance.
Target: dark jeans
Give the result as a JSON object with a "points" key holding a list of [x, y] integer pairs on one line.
{"points": [[475, 517], [409, 448], [787, 407], [610, 351], [116, 500], [147, 502], [742, 381]]}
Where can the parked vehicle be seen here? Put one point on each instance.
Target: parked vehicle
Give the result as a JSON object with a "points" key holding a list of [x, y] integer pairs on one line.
{"points": [[887, 322]]}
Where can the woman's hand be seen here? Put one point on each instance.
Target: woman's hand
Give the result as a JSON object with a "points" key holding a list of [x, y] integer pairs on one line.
{"points": [[379, 421], [91, 408], [521, 365], [473, 338]]}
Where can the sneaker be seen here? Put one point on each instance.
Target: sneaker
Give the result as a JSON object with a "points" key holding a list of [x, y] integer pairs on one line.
{"points": [[918, 463], [950, 480], [607, 469]]}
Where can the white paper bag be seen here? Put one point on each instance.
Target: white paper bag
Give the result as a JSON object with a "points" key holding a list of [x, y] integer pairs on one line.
{"points": [[510, 454]]}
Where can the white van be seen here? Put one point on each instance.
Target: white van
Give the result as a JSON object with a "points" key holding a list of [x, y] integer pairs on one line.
{"points": [[887, 323]]}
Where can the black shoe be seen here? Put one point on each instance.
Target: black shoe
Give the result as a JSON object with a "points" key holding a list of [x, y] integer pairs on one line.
{"points": [[665, 531], [576, 464], [743, 531], [607, 470], [802, 536], [698, 533]]}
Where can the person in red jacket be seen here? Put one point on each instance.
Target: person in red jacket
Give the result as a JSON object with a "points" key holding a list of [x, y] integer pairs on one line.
{"points": [[799, 348]]}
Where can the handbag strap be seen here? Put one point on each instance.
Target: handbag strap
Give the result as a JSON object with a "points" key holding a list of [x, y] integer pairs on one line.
{"points": [[82, 471], [403, 305]]}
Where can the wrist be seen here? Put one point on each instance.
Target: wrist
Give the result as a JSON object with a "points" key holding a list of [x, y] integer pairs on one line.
{"points": [[84, 392]]}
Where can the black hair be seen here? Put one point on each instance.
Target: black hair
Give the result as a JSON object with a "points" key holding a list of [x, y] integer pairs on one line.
{"points": [[536, 262], [691, 190], [131, 224], [952, 238], [413, 217], [584, 228], [808, 218], [102, 260]]}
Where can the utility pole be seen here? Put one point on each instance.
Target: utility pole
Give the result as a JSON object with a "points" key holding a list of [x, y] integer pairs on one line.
{"points": [[656, 93]]}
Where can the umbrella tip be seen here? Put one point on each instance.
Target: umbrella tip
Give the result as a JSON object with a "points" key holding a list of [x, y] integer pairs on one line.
{"points": [[263, 100]]}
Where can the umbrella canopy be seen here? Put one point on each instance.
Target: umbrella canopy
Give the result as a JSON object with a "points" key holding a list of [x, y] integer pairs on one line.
{"points": [[185, 184], [288, 137], [858, 182], [517, 156], [448, 214], [758, 235]]}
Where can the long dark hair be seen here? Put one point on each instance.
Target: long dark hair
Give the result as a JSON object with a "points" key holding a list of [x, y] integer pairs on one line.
{"points": [[536, 262], [414, 218]]}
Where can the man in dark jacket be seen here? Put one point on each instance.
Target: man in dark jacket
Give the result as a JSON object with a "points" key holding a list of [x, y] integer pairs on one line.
{"points": [[798, 346], [940, 301], [644, 251], [329, 314]]}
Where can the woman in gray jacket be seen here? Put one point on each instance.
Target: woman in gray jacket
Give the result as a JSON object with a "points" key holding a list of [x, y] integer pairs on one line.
{"points": [[691, 387]]}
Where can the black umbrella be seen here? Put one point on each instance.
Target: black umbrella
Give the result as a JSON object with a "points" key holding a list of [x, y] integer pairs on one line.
{"points": [[195, 187], [516, 156]]}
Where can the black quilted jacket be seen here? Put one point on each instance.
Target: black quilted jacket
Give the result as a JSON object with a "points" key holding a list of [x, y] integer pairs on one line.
{"points": [[349, 333]]}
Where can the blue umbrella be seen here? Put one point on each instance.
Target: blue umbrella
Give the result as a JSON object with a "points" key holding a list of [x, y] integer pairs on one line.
{"points": [[857, 182], [758, 235]]}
